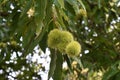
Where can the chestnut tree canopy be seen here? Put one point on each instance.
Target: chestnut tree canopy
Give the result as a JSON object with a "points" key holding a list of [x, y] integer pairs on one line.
{"points": [[26, 24]]}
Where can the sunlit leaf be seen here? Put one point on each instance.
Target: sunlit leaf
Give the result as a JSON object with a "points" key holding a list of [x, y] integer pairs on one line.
{"points": [[40, 9], [61, 2]]}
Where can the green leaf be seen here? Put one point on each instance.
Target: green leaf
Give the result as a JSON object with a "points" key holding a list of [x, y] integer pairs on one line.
{"points": [[40, 12], [52, 63], [21, 24], [69, 8], [117, 76], [74, 4], [58, 70], [110, 74], [61, 2], [68, 61], [113, 70], [40, 8], [43, 42], [26, 8], [47, 21], [29, 34], [1, 2], [1, 57], [99, 4], [20, 20], [60, 18], [83, 6], [64, 15], [14, 25]]}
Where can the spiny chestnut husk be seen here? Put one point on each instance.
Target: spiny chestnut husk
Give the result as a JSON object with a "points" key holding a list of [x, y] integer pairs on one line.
{"points": [[73, 49], [67, 37], [54, 38], [59, 39], [3, 45]]}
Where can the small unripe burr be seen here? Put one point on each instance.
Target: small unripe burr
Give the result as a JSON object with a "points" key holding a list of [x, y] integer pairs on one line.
{"points": [[54, 38], [73, 49]]}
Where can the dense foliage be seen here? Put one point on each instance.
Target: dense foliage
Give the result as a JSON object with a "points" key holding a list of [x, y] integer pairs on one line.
{"points": [[25, 25]]}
